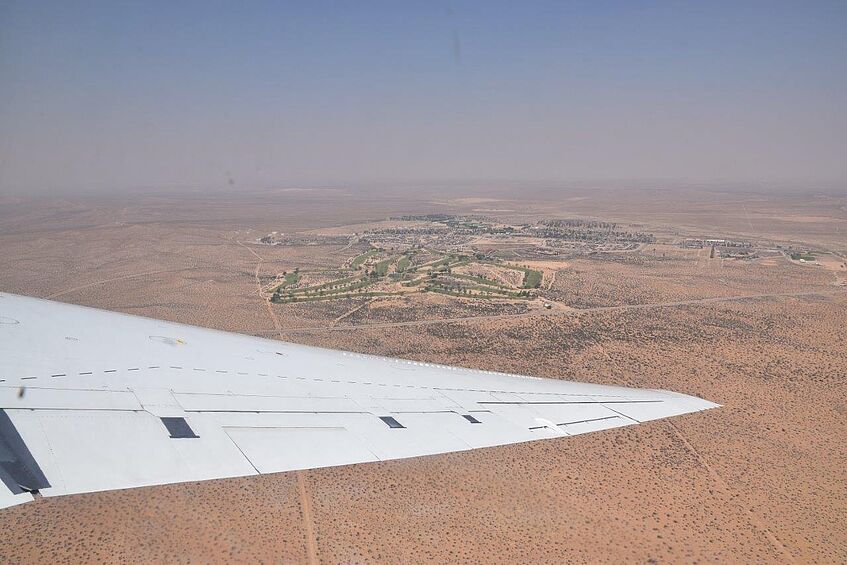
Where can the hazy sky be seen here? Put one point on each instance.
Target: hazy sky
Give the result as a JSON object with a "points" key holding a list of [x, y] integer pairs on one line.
{"points": [[128, 94]]}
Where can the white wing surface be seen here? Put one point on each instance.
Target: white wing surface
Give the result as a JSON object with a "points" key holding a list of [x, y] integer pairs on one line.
{"points": [[92, 400]]}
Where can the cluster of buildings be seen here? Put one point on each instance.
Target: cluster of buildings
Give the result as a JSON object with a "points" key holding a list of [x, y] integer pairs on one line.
{"points": [[295, 239], [718, 243]]}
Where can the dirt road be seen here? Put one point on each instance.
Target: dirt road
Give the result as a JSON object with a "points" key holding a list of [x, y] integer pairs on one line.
{"points": [[561, 312]]}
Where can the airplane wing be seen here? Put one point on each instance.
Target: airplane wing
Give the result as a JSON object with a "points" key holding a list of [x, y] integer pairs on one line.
{"points": [[92, 400]]}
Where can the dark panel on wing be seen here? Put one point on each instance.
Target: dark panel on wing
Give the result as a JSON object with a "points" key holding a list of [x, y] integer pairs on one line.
{"points": [[391, 422], [179, 428], [18, 469]]}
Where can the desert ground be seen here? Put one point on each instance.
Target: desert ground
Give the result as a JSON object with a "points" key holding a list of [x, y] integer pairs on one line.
{"points": [[761, 479]]}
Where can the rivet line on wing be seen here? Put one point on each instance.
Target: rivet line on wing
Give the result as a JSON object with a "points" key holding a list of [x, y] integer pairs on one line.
{"points": [[321, 380]]}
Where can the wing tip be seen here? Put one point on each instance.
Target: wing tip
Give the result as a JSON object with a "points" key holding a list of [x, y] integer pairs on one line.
{"points": [[671, 404]]}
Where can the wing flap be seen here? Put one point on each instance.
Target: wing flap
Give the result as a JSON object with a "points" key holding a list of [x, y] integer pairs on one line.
{"points": [[34, 397], [596, 425], [272, 450], [426, 437], [253, 403], [88, 451]]}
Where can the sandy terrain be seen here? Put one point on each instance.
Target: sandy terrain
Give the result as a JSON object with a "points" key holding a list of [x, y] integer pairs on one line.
{"points": [[763, 479]]}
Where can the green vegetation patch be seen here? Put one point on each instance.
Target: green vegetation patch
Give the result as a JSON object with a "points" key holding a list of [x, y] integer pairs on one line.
{"points": [[381, 268], [290, 279], [482, 292], [439, 278], [414, 282], [300, 298], [327, 285], [355, 285], [402, 264], [803, 256], [358, 261], [531, 278], [479, 280]]}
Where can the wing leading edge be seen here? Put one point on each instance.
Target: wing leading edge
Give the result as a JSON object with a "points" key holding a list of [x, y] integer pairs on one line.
{"points": [[92, 400]]}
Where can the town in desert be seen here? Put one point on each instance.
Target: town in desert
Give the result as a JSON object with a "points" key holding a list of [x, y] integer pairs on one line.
{"points": [[730, 293]]}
